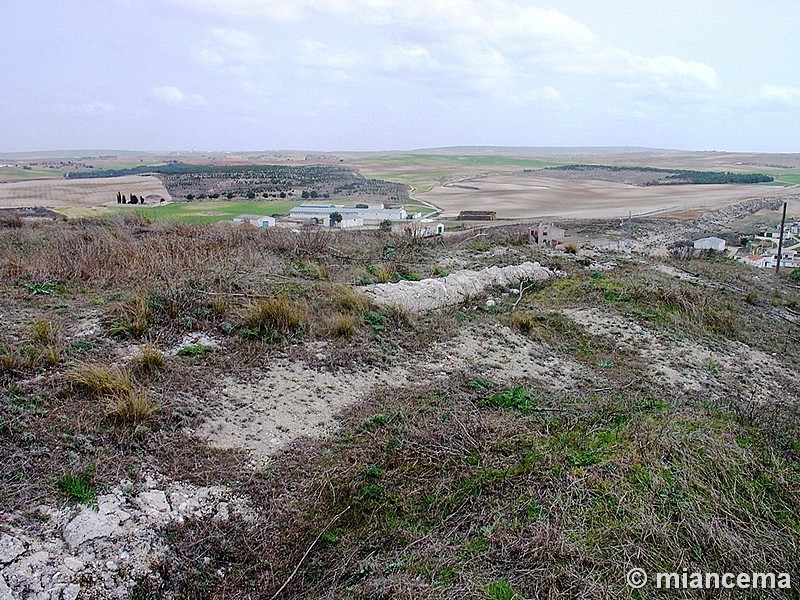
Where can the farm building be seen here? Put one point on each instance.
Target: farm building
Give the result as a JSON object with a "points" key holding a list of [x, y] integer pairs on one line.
{"points": [[477, 215], [418, 228], [255, 220], [710, 243], [347, 222], [546, 234], [789, 259], [369, 214]]}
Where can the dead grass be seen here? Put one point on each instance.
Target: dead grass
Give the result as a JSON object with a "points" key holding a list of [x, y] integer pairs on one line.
{"points": [[150, 360], [102, 381], [42, 331], [444, 494], [345, 326], [280, 315], [131, 407], [451, 494]]}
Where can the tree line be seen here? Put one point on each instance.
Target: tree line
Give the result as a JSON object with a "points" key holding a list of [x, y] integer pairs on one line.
{"points": [[678, 176]]}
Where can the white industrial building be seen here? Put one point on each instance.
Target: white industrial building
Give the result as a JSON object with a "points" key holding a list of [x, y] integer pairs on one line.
{"points": [[710, 243], [372, 214]]}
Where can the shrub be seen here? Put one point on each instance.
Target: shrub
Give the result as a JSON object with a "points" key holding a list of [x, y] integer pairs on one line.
{"points": [[571, 248], [516, 397], [14, 221], [196, 350]]}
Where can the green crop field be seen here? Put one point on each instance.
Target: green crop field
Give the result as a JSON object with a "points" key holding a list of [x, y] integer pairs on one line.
{"points": [[20, 174], [790, 178], [209, 211], [423, 171]]}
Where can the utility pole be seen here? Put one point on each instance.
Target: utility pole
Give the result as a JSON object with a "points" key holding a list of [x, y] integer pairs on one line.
{"points": [[780, 241]]}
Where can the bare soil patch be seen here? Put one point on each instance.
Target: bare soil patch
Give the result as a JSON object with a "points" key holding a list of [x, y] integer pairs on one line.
{"points": [[55, 193], [521, 195]]}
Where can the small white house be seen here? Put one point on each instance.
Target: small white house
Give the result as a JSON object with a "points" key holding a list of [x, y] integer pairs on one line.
{"points": [[261, 221], [710, 243], [347, 222], [546, 234], [419, 228]]}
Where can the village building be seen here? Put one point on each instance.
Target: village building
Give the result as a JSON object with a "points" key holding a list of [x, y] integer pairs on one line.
{"points": [[369, 214], [419, 228], [789, 260], [477, 215], [546, 234], [710, 243], [261, 221]]}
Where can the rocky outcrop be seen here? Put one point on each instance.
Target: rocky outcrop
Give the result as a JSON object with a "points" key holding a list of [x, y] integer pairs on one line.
{"points": [[100, 552], [431, 294]]}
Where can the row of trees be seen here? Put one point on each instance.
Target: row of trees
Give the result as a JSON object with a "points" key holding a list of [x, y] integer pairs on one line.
{"points": [[675, 176], [134, 199]]}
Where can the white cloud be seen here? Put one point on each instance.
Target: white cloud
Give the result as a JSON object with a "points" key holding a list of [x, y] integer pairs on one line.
{"points": [[239, 46], [208, 56], [174, 97], [778, 96], [316, 54], [477, 44]]}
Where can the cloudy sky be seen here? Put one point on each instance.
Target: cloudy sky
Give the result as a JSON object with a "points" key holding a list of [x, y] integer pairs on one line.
{"points": [[399, 74]]}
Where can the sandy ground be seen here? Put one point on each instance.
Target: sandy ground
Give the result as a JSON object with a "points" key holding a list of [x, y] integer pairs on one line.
{"points": [[56, 193], [524, 195], [291, 399]]}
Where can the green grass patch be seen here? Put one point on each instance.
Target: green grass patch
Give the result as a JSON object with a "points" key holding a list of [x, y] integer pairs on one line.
{"points": [[79, 487], [210, 211], [195, 350]]}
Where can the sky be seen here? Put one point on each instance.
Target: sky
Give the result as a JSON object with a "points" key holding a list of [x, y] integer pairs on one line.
{"points": [[342, 75]]}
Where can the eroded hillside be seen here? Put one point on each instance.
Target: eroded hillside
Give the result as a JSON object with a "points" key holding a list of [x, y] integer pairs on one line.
{"points": [[201, 411]]}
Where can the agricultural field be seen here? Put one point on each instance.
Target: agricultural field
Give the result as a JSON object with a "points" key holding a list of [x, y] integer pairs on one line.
{"points": [[423, 171], [211, 211], [78, 193], [18, 173], [530, 194]]}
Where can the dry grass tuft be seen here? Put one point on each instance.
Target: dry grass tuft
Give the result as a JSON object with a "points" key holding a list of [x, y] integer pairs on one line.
{"points": [[150, 360], [383, 274], [275, 315], [43, 332], [219, 305], [102, 381], [113, 386], [132, 318], [345, 297], [131, 407], [345, 326], [51, 355]]}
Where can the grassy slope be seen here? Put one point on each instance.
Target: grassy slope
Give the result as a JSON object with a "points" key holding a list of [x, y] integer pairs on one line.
{"points": [[462, 488]]}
